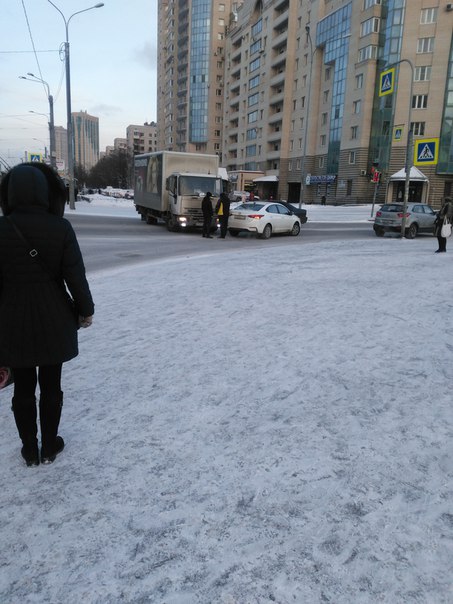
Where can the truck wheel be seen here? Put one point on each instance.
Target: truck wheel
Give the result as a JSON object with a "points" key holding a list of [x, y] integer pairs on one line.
{"points": [[171, 225], [150, 219]]}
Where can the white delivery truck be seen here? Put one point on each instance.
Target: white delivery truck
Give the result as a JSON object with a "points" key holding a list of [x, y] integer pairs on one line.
{"points": [[170, 186]]}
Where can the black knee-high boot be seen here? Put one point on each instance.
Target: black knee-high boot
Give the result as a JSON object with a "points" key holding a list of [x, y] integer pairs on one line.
{"points": [[49, 417], [24, 410]]}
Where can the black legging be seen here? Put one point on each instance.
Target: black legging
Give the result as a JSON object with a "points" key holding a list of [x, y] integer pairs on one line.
{"points": [[26, 379]]}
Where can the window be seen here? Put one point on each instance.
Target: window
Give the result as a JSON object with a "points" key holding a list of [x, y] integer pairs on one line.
{"points": [[324, 119], [354, 131], [370, 3], [302, 102], [290, 166], [254, 82], [252, 117], [257, 28], [359, 80], [370, 26], [356, 105], [254, 65], [428, 15], [255, 47], [326, 96], [321, 162], [352, 157], [250, 150], [420, 101], [327, 74], [253, 99], [425, 45], [422, 74], [367, 53], [252, 134], [418, 128], [322, 140]]}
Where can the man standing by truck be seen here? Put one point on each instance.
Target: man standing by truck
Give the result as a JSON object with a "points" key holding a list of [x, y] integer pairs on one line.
{"points": [[206, 208]]}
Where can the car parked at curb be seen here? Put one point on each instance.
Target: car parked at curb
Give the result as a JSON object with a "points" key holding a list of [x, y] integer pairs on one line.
{"points": [[420, 218], [264, 219], [301, 213]]}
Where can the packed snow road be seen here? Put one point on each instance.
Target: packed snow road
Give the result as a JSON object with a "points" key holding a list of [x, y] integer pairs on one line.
{"points": [[114, 241]]}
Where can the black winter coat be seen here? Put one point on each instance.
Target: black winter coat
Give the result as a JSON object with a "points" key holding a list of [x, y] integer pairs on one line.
{"points": [[206, 207], [37, 326]]}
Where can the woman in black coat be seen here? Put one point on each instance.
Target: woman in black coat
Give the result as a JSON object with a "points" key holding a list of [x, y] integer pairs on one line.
{"points": [[38, 326], [446, 211]]}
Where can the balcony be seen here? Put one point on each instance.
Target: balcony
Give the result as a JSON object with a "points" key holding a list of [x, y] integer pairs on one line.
{"points": [[279, 41]]}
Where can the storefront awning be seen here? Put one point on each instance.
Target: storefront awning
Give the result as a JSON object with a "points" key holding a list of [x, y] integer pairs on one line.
{"points": [[270, 178]]}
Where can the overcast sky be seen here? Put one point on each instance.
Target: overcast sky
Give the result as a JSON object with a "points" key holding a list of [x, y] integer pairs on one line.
{"points": [[113, 53]]}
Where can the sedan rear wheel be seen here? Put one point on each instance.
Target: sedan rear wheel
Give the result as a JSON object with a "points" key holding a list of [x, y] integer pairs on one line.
{"points": [[233, 233], [267, 232], [296, 229], [379, 232]]}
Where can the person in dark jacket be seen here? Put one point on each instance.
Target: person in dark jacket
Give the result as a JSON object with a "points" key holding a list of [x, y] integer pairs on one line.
{"points": [[222, 210], [446, 211], [208, 212], [38, 328]]}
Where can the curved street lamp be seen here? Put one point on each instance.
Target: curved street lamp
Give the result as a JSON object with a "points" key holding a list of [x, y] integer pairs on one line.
{"points": [[68, 100], [33, 78]]}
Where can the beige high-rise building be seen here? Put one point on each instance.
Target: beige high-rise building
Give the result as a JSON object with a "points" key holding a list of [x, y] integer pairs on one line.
{"points": [[86, 139], [297, 90], [61, 148], [191, 64]]}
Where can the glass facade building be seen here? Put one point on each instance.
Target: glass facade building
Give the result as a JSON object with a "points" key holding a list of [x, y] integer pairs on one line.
{"points": [[199, 70]]}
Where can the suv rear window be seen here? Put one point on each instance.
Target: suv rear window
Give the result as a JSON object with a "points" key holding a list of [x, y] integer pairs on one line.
{"points": [[391, 207]]}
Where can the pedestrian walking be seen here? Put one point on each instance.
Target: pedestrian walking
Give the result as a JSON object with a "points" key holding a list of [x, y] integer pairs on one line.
{"points": [[39, 257], [445, 214], [222, 210], [208, 212]]}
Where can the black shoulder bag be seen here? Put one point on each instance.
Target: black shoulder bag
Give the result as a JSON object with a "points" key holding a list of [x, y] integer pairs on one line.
{"points": [[33, 253]]}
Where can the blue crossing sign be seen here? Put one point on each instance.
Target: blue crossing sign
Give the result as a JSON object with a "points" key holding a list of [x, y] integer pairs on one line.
{"points": [[387, 82], [35, 157], [426, 152]]}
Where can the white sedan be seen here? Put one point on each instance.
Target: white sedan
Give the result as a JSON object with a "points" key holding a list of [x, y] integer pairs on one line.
{"points": [[263, 218]]}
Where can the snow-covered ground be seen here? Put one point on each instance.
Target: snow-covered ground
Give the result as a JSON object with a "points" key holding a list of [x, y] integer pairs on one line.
{"points": [[248, 429]]}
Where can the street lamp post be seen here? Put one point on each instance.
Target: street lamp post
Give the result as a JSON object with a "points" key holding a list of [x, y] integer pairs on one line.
{"points": [[53, 159], [68, 100], [307, 114], [408, 166]]}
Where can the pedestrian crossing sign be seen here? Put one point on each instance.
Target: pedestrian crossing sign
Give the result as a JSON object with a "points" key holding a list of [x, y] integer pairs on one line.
{"points": [[397, 133], [387, 82], [35, 157], [426, 152]]}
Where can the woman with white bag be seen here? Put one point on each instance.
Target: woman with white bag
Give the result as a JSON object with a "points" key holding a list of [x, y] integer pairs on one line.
{"points": [[442, 228]]}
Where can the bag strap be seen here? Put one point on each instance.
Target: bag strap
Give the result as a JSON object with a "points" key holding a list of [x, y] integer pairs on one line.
{"points": [[32, 251]]}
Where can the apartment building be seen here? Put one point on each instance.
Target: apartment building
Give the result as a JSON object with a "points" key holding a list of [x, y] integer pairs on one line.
{"points": [[304, 103], [61, 148], [293, 89], [142, 138], [191, 62], [86, 139]]}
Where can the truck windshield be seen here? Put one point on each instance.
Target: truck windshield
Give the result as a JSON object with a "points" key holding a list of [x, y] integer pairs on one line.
{"points": [[199, 185]]}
